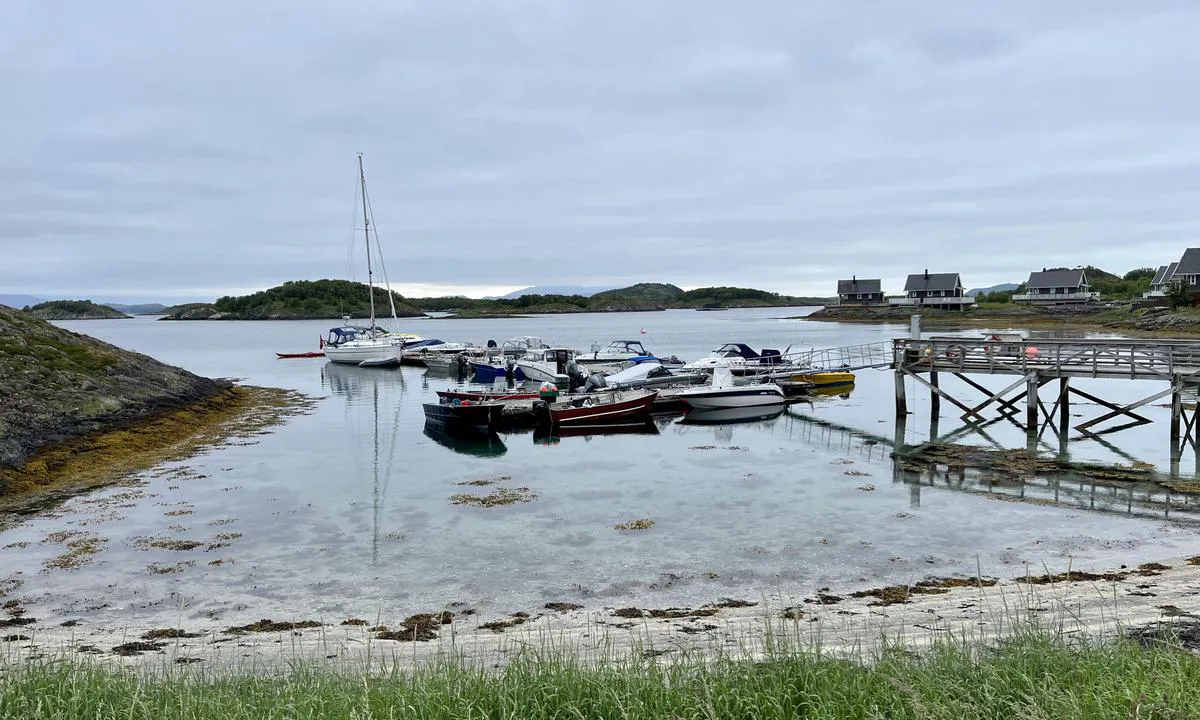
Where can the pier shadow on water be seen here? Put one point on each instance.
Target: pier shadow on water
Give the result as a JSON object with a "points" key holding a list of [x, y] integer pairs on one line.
{"points": [[1035, 475]]}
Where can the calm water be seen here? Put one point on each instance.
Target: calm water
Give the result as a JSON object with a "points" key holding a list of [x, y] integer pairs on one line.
{"points": [[346, 512]]}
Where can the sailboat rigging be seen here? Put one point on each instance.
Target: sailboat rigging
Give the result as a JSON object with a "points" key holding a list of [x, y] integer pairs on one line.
{"points": [[368, 347]]}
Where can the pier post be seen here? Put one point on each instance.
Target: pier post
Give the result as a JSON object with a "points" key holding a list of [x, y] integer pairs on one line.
{"points": [[1031, 405], [1064, 404], [935, 400], [1176, 409], [901, 400]]}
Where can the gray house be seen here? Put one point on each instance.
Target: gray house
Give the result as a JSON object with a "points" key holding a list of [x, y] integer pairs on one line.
{"points": [[1161, 282], [860, 292], [1187, 270], [1057, 286], [939, 290]]}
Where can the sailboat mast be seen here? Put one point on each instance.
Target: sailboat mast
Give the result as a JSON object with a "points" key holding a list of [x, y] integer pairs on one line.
{"points": [[362, 183]]}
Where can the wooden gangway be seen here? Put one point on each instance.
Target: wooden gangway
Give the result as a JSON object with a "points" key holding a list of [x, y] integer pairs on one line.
{"points": [[1124, 359], [1036, 363]]}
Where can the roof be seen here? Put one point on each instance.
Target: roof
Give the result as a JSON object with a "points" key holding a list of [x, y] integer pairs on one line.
{"points": [[848, 287], [1170, 273], [1161, 276], [932, 281], [1189, 264], [1056, 279]]}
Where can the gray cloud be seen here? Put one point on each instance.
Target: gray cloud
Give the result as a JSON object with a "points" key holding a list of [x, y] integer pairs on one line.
{"points": [[154, 150]]}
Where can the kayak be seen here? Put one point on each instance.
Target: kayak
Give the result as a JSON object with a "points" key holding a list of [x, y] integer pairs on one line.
{"points": [[314, 353]]}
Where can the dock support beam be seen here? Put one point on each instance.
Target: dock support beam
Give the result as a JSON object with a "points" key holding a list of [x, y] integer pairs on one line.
{"points": [[1064, 404], [1031, 404], [901, 400], [935, 400], [1176, 409]]}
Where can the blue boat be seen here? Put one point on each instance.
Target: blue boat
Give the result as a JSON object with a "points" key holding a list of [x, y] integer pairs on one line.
{"points": [[487, 373]]}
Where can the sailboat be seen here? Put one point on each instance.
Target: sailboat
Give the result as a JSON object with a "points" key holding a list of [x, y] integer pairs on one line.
{"points": [[374, 347]]}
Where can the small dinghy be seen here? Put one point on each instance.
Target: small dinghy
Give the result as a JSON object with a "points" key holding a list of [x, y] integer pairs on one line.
{"points": [[314, 353], [463, 416], [603, 408]]}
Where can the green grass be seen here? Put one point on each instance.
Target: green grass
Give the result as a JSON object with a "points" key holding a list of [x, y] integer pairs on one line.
{"points": [[1033, 676]]}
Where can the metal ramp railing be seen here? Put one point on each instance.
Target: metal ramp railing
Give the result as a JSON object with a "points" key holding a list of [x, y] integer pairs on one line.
{"points": [[849, 357]]}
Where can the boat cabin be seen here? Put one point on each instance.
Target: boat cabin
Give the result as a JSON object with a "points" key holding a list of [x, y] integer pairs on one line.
{"points": [[620, 348], [518, 346], [741, 350], [349, 333]]}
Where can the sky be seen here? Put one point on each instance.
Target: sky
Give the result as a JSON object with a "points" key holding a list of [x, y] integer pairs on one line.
{"points": [[182, 151]]}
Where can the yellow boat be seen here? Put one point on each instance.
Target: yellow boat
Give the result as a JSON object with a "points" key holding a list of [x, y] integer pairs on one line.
{"points": [[826, 379]]}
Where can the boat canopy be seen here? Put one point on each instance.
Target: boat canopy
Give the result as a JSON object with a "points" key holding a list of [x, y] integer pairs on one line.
{"points": [[741, 350], [722, 377]]}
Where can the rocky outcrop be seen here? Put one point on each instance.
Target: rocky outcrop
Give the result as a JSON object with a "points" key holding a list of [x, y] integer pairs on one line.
{"points": [[57, 385]]}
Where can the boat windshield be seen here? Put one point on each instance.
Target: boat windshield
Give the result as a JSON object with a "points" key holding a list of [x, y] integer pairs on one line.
{"points": [[632, 347], [731, 350]]}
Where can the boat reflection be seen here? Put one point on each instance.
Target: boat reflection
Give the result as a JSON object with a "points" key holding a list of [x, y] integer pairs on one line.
{"points": [[546, 436], [842, 391], [731, 416], [474, 444], [353, 382]]}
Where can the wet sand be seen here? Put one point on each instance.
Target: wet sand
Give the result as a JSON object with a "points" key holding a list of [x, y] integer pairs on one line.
{"points": [[842, 621]]}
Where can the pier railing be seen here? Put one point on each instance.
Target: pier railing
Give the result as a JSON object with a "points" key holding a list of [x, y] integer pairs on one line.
{"points": [[1125, 359], [850, 357]]}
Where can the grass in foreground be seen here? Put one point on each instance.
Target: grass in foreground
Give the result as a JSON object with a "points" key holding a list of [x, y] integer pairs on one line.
{"points": [[1035, 676]]}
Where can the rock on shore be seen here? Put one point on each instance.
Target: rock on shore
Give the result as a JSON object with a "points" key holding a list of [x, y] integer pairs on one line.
{"points": [[58, 385]]}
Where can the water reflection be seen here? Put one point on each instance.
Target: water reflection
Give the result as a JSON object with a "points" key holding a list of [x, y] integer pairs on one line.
{"points": [[730, 416], [1065, 489], [476, 445], [640, 427], [360, 386]]}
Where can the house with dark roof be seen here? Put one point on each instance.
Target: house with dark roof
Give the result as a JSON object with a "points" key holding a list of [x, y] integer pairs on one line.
{"points": [[860, 292], [1161, 282], [1187, 270], [936, 290], [1057, 286]]}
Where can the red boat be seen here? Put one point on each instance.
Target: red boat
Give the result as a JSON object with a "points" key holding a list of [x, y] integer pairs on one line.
{"points": [[613, 407], [484, 396], [314, 353]]}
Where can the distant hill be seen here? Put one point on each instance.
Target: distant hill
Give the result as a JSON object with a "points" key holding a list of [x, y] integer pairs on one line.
{"points": [[640, 297], [20, 301], [72, 310], [145, 309], [1002, 287], [581, 290], [298, 300]]}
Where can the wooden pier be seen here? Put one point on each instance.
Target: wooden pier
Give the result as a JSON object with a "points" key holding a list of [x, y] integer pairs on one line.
{"points": [[1037, 363]]}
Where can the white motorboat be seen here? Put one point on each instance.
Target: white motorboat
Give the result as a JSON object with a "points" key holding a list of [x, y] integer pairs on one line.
{"points": [[622, 352], [723, 393], [741, 358], [546, 364]]}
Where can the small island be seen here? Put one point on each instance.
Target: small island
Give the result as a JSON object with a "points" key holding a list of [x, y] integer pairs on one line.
{"points": [[73, 310], [299, 300]]}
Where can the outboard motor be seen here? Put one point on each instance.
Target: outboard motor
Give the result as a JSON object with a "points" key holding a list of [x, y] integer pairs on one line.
{"points": [[575, 376], [595, 381]]}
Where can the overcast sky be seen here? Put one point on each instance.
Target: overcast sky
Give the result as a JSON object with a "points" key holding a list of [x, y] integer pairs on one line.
{"points": [[172, 150]]}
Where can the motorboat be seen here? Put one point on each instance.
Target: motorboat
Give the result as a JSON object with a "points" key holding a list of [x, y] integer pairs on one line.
{"points": [[493, 370], [420, 352], [622, 352], [484, 395], [824, 378], [546, 364], [724, 393], [740, 358], [618, 407], [644, 375], [463, 416], [517, 347]]}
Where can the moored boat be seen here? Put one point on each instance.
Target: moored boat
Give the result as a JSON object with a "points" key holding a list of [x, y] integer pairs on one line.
{"points": [[483, 395], [463, 416], [824, 378], [312, 354], [616, 407], [723, 393]]}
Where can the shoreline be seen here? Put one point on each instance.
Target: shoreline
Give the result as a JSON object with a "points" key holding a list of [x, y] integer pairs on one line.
{"points": [[952, 320], [839, 621], [105, 457]]}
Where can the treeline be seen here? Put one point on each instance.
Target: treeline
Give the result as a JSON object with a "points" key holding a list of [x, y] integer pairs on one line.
{"points": [[643, 296]]}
